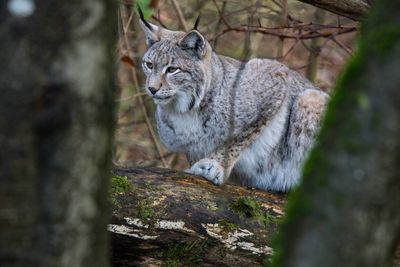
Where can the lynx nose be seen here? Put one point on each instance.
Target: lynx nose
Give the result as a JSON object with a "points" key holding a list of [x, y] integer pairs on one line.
{"points": [[153, 90]]}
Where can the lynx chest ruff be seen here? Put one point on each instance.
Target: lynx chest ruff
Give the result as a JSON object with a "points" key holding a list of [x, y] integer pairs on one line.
{"points": [[184, 132]]}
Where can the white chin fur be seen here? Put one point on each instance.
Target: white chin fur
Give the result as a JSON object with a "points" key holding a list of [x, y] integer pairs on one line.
{"points": [[182, 102], [163, 102]]}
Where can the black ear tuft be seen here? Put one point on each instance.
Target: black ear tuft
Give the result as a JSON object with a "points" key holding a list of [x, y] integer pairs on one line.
{"points": [[196, 23], [151, 31], [142, 18]]}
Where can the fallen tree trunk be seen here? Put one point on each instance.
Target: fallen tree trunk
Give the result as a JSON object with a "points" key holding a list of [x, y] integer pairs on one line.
{"points": [[353, 9], [172, 218]]}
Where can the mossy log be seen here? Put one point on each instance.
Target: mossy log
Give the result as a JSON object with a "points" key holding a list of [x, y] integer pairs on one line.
{"points": [[166, 218]]}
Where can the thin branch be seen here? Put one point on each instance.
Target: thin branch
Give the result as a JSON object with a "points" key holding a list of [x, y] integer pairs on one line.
{"points": [[284, 12], [341, 45], [306, 26], [157, 18], [221, 15], [279, 33], [289, 50], [179, 13], [140, 98], [130, 97], [128, 22]]}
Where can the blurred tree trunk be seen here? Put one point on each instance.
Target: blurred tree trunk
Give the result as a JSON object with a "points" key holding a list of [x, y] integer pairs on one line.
{"points": [[56, 118], [353, 9], [346, 212]]}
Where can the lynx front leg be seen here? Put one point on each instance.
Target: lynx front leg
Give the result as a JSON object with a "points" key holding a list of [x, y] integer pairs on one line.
{"points": [[210, 169], [218, 166]]}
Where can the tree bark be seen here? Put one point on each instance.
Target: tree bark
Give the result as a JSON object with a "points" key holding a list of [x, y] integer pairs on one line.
{"points": [[56, 118], [353, 9], [170, 218], [346, 212]]}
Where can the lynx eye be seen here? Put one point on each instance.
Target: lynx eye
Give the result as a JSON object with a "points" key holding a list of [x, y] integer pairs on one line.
{"points": [[172, 69], [149, 65]]}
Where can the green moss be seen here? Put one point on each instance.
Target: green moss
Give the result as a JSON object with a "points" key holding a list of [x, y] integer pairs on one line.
{"points": [[363, 101], [119, 185], [342, 96], [246, 206], [251, 208], [183, 254], [381, 30], [227, 226], [143, 210], [317, 165], [386, 35]]}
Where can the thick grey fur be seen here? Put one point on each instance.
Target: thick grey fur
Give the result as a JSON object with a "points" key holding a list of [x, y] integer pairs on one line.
{"points": [[253, 122]]}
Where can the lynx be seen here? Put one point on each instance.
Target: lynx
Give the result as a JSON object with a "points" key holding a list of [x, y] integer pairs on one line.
{"points": [[251, 122]]}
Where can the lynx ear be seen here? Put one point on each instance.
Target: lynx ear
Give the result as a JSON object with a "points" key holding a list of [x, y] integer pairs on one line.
{"points": [[195, 43], [151, 31]]}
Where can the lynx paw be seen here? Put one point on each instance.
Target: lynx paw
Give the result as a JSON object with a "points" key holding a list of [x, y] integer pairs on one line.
{"points": [[209, 169]]}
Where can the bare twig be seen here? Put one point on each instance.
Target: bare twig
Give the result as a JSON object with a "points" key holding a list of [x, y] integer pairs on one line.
{"points": [[130, 97], [289, 50], [285, 24], [305, 26], [284, 12], [123, 14], [279, 33], [130, 123], [341, 45], [126, 28], [158, 19], [221, 15], [179, 13]]}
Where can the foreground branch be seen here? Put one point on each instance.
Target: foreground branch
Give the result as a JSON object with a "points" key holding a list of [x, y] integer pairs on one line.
{"points": [[353, 9]]}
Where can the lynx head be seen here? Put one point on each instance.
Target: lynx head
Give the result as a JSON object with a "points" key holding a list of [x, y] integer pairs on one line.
{"points": [[177, 66]]}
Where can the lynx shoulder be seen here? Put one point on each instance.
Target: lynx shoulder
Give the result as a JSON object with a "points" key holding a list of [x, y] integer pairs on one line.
{"points": [[252, 122]]}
